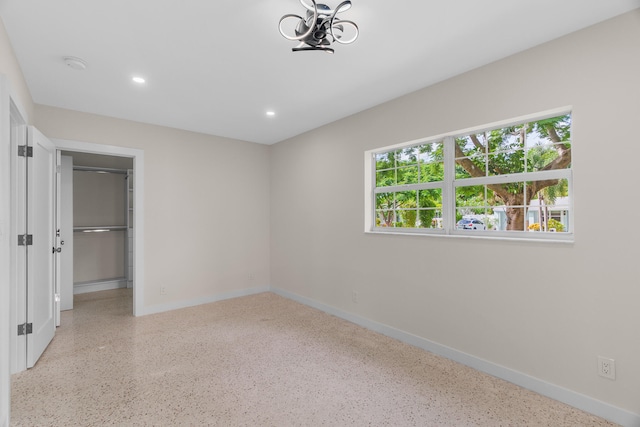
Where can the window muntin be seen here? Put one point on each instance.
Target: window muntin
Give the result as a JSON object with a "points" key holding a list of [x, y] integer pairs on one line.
{"points": [[526, 147], [409, 209], [410, 165], [408, 190], [515, 180], [534, 206]]}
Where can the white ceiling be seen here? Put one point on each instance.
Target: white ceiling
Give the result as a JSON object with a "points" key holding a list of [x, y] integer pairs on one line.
{"points": [[216, 66]]}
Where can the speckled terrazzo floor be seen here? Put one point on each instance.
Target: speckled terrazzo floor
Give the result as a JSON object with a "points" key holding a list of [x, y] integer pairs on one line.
{"points": [[260, 360]]}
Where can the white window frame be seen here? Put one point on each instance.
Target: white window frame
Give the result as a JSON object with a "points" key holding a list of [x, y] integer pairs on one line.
{"points": [[449, 185]]}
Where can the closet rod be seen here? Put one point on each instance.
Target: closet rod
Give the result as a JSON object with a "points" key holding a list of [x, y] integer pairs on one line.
{"points": [[99, 169], [95, 229]]}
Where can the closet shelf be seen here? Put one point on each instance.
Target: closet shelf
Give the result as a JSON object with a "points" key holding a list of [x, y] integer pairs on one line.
{"points": [[94, 229]]}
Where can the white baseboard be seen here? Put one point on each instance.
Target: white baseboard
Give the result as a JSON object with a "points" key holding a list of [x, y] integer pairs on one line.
{"points": [[204, 300], [98, 285], [577, 400]]}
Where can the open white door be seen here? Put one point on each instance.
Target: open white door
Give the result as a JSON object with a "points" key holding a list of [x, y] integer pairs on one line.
{"points": [[40, 254]]}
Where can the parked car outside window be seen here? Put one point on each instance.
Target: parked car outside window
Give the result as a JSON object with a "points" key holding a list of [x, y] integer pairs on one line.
{"points": [[470, 224]]}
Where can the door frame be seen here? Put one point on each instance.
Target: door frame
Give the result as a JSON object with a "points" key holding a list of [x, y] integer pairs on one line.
{"points": [[15, 202], [13, 306], [138, 201], [6, 249]]}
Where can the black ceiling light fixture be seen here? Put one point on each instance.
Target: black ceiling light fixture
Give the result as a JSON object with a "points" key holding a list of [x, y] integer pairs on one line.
{"points": [[320, 27]]}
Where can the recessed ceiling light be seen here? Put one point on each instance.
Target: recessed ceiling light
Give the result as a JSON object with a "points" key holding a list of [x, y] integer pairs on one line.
{"points": [[271, 113], [138, 79]]}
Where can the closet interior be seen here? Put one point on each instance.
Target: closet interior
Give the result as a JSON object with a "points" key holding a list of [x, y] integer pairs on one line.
{"points": [[102, 188]]}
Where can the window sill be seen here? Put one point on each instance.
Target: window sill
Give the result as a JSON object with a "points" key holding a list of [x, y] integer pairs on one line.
{"points": [[477, 235]]}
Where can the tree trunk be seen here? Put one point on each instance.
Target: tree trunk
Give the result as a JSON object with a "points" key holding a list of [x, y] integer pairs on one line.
{"points": [[514, 211], [515, 218]]}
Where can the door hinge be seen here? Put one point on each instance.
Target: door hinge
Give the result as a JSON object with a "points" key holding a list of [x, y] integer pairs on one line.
{"points": [[25, 240], [25, 151], [25, 329]]}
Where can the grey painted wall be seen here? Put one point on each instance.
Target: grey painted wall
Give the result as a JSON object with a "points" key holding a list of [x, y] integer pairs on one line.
{"points": [[545, 310], [206, 212]]}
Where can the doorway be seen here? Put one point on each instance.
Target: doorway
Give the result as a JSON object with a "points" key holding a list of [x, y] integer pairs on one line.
{"points": [[97, 228], [136, 156]]}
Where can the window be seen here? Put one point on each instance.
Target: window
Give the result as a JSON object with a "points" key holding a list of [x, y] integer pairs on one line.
{"points": [[508, 180], [409, 184]]}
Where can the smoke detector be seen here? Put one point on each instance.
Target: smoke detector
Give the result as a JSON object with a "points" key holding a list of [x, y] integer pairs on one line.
{"points": [[75, 63]]}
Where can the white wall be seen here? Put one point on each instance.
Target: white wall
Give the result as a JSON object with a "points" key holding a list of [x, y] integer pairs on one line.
{"points": [[206, 206], [10, 67], [544, 310]]}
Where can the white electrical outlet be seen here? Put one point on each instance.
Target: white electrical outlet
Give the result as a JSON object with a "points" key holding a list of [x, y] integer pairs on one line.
{"points": [[607, 367], [163, 291], [354, 297]]}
